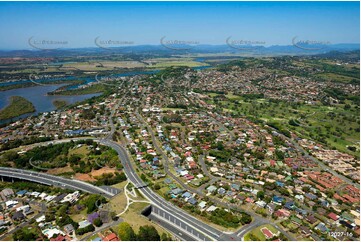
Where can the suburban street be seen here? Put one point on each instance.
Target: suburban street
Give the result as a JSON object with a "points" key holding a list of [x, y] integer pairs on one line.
{"points": [[256, 219]]}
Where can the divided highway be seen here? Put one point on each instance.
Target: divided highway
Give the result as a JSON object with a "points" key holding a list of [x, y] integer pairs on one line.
{"points": [[163, 209], [51, 180], [180, 223]]}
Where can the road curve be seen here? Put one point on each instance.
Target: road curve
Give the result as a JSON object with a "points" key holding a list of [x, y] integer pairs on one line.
{"points": [[166, 210], [51, 180]]}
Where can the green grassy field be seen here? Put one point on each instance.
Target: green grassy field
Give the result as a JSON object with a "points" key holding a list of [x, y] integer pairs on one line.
{"points": [[335, 126], [335, 77]]}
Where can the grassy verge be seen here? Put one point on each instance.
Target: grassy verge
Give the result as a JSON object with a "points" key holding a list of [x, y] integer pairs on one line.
{"points": [[135, 219], [119, 202]]}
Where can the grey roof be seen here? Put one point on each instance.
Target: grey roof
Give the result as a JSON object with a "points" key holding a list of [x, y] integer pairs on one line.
{"points": [[176, 191], [221, 190], [186, 194], [192, 201], [18, 215], [69, 228], [211, 188]]}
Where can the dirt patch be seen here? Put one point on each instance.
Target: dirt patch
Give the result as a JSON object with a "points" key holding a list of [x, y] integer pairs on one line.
{"points": [[102, 171], [84, 177]]}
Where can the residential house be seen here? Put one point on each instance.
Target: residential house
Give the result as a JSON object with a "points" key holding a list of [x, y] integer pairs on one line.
{"points": [[333, 216], [322, 227], [277, 200], [202, 204], [111, 237], [290, 205], [186, 195], [192, 201], [296, 221], [18, 216], [221, 191], [6, 194], [311, 219], [261, 204], [69, 228], [305, 230]]}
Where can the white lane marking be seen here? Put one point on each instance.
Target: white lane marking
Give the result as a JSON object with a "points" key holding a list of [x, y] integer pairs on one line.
{"points": [[181, 229]]}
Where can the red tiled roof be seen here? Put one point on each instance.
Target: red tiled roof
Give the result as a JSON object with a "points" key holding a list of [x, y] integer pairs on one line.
{"points": [[333, 216], [267, 233], [58, 238], [111, 237]]}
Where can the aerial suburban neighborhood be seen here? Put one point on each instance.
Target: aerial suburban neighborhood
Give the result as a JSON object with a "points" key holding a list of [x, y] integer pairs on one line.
{"points": [[179, 141]]}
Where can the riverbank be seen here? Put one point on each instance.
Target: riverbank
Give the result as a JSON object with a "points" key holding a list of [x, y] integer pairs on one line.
{"points": [[91, 89], [59, 104]]}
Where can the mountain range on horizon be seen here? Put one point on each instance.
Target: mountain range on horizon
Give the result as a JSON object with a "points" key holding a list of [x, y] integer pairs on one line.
{"points": [[187, 49]]}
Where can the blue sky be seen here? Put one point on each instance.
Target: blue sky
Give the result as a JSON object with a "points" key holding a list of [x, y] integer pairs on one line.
{"points": [[79, 23]]}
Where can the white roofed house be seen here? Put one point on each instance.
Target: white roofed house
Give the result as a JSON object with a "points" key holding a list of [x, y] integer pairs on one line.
{"points": [[72, 197], [202, 205], [211, 208]]}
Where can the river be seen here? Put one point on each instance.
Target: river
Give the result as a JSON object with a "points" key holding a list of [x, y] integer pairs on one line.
{"points": [[44, 103], [38, 96]]}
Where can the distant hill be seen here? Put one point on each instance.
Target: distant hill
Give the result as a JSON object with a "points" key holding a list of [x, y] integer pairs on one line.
{"points": [[160, 50], [344, 56]]}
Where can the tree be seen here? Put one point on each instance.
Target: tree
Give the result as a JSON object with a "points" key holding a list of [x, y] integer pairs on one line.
{"points": [[10, 156], [66, 219], [62, 210], [25, 234], [126, 232], [89, 228], [143, 177], [156, 186], [165, 237], [280, 155], [148, 233], [92, 202], [97, 222], [246, 219], [260, 195]]}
